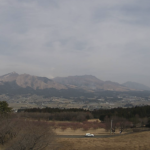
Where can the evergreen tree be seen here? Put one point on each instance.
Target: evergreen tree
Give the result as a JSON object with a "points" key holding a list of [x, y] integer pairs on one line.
{"points": [[4, 108]]}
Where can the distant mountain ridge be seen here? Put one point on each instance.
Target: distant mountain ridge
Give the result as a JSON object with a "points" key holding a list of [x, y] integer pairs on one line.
{"points": [[87, 83], [136, 86], [9, 77], [26, 80]]}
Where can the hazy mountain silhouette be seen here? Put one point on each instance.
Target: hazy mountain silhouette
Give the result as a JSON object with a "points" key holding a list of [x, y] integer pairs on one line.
{"points": [[136, 86], [89, 82], [86, 82], [34, 82]]}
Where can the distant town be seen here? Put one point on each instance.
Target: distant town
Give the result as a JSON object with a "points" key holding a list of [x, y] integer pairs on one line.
{"points": [[98, 102]]}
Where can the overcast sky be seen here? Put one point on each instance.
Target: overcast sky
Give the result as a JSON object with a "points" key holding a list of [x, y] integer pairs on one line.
{"points": [[109, 39]]}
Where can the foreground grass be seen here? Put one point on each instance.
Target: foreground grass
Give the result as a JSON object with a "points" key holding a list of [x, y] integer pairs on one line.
{"points": [[135, 141]]}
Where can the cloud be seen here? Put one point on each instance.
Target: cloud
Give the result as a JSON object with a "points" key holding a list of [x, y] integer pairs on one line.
{"points": [[109, 39]]}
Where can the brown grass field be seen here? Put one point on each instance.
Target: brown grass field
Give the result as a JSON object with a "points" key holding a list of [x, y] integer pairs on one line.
{"points": [[135, 141], [70, 131]]}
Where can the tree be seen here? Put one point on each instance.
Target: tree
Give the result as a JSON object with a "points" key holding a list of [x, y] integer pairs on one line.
{"points": [[34, 135], [117, 122], [4, 109], [9, 128]]}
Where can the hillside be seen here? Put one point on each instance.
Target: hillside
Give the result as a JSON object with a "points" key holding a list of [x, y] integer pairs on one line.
{"points": [[84, 82], [9, 77], [114, 86], [137, 86], [89, 82], [34, 82]]}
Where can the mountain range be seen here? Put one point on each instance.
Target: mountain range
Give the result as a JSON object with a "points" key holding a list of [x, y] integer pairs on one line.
{"points": [[86, 82], [90, 83]]}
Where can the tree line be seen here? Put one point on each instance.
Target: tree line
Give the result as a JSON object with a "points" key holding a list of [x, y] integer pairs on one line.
{"points": [[128, 113]]}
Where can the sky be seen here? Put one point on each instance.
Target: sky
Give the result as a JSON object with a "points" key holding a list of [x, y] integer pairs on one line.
{"points": [[105, 38]]}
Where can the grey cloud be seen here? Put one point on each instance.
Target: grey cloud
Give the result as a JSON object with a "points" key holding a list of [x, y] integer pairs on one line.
{"points": [[61, 38], [50, 3], [139, 11]]}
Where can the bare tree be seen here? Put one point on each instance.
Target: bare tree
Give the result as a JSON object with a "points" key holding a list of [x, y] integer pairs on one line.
{"points": [[9, 128], [34, 135], [107, 122], [117, 122]]}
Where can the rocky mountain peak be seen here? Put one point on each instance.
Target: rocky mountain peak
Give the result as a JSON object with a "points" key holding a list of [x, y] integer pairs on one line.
{"points": [[9, 77]]}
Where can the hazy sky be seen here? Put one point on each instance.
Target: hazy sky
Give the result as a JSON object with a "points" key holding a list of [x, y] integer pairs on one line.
{"points": [[109, 39]]}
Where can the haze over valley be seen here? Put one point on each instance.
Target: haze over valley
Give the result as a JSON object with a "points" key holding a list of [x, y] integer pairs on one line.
{"points": [[87, 91]]}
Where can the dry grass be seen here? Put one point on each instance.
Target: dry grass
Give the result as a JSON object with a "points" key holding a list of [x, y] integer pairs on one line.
{"points": [[70, 131], [136, 141], [94, 120]]}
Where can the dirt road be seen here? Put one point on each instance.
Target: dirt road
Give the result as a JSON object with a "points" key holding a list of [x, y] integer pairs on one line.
{"points": [[96, 136]]}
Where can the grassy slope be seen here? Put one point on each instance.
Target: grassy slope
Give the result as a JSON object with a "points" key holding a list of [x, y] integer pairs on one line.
{"points": [[136, 141]]}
